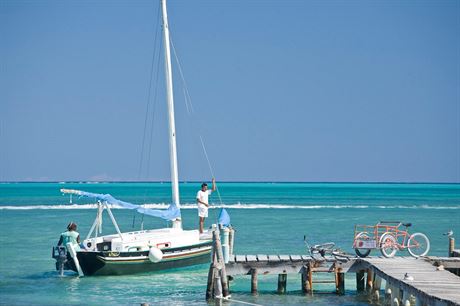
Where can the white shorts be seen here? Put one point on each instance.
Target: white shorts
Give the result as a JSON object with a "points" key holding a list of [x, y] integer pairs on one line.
{"points": [[202, 211]]}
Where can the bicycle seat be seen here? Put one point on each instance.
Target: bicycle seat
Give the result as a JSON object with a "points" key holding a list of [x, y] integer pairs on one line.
{"points": [[407, 224]]}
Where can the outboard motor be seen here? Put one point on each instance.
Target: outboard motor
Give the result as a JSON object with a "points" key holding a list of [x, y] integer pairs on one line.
{"points": [[60, 254]]}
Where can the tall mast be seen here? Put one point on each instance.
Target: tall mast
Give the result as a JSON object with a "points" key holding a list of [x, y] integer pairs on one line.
{"points": [[170, 98]]}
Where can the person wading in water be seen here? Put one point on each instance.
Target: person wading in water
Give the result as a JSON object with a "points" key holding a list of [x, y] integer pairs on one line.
{"points": [[70, 236]]}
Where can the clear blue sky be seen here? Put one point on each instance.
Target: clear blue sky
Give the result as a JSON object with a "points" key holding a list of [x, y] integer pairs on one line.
{"points": [[282, 90]]}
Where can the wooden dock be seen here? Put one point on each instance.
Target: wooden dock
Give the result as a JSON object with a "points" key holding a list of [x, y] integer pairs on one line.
{"points": [[426, 279], [408, 281], [430, 285]]}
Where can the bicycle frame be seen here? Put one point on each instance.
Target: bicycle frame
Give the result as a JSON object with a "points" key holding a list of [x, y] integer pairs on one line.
{"points": [[375, 232]]}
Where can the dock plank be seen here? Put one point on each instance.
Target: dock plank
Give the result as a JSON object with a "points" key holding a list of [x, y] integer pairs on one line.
{"points": [[240, 258], [262, 257], [273, 258], [284, 257], [251, 258]]}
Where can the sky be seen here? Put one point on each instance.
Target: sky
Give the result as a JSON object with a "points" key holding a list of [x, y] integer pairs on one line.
{"points": [[317, 91]]}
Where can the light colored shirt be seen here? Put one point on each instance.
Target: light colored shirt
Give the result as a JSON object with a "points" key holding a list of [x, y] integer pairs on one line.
{"points": [[71, 236], [203, 196]]}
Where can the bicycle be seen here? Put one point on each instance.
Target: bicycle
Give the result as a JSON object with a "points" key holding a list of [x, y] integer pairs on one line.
{"points": [[389, 238], [324, 249]]}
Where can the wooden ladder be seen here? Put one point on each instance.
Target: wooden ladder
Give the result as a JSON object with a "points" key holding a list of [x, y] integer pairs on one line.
{"points": [[338, 280]]}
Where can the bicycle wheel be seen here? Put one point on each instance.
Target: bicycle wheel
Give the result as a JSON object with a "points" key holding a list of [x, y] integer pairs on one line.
{"points": [[362, 252], [418, 245], [388, 245]]}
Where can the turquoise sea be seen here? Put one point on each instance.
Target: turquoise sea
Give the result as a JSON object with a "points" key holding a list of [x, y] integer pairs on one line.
{"points": [[269, 218]]}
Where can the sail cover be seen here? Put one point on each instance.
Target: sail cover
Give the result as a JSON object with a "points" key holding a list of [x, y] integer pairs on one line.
{"points": [[173, 212]]}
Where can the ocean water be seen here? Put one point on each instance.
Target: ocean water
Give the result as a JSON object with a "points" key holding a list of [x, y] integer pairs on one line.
{"points": [[268, 217]]}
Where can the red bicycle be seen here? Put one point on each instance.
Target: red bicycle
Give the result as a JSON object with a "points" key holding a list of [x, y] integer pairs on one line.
{"points": [[389, 238]]}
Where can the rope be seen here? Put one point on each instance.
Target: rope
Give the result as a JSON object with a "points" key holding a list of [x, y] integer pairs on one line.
{"points": [[210, 167], [188, 98], [157, 80], [190, 112], [148, 97]]}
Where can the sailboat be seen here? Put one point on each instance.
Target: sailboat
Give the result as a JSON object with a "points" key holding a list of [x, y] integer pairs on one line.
{"points": [[143, 250]]}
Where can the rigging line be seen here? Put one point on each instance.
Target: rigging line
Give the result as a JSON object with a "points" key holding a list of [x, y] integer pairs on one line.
{"points": [[155, 95], [148, 96], [189, 105], [188, 98], [210, 168]]}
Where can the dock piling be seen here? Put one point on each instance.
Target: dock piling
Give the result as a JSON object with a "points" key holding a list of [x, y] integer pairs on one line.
{"points": [[218, 286], [387, 301], [220, 261], [231, 240], [369, 281], [225, 244], [282, 280], [376, 288], [254, 281], [305, 279], [406, 299], [360, 285], [340, 282]]}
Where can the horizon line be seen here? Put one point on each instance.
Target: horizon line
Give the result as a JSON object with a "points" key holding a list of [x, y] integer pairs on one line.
{"points": [[231, 181]]}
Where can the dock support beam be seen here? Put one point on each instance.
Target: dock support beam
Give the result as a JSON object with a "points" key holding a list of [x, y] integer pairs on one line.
{"points": [[282, 280], [254, 281], [360, 281], [451, 246]]}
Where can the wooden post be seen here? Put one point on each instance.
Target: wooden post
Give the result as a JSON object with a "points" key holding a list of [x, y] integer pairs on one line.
{"points": [[387, 295], [211, 272], [369, 281], [220, 260], [340, 277], [305, 280], [229, 278], [254, 281], [231, 238], [210, 285], [376, 288], [218, 285], [405, 299], [451, 246], [360, 281], [394, 295], [310, 276], [282, 280]]}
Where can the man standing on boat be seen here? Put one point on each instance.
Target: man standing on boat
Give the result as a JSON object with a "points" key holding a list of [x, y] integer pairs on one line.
{"points": [[203, 202]]}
